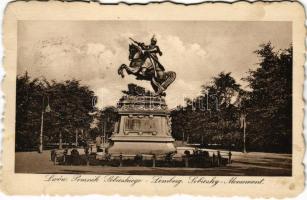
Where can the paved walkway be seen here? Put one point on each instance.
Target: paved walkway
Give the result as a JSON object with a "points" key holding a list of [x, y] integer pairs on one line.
{"points": [[250, 164]]}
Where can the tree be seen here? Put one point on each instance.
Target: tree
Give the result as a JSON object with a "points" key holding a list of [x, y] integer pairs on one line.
{"points": [[269, 105], [211, 117], [28, 111], [224, 87], [107, 118], [70, 106]]}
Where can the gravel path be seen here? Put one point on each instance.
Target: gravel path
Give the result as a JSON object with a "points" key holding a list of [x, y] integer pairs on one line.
{"points": [[250, 164]]}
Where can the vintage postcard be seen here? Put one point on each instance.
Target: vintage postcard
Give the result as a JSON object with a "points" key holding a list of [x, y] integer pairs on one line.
{"points": [[154, 99]]}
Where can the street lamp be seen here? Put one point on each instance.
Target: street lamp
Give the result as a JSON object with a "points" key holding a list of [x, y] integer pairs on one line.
{"points": [[243, 125], [47, 109], [104, 129]]}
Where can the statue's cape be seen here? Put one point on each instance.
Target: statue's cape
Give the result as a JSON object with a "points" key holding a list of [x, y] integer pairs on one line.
{"points": [[157, 61]]}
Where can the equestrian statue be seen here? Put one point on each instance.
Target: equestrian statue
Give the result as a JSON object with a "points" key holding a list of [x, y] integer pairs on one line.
{"points": [[145, 65]]}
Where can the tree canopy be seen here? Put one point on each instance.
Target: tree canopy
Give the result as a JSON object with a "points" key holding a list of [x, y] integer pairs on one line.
{"points": [[69, 103], [213, 117], [269, 106]]}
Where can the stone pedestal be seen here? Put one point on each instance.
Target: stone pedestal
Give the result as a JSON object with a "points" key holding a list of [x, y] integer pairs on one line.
{"points": [[144, 127]]}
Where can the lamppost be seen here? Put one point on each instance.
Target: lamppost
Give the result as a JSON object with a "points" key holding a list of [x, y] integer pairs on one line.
{"points": [[104, 129], [44, 109], [243, 125], [105, 120]]}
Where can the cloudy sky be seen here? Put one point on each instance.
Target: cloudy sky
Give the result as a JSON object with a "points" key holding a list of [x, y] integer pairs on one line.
{"points": [[92, 51]]}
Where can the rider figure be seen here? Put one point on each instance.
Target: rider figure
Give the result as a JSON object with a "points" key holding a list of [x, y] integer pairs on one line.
{"points": [[144, 62], [151, 52], [153, 48]]}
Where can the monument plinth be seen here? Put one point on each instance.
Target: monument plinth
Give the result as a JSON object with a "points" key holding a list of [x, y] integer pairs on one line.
{"points": [[144, 127]]}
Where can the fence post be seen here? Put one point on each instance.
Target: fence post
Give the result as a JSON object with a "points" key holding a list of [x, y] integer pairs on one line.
{"points": [[120, 160], [64, 159], [87, 157], [213, 159], [229, 157], [154, 160], [219, 158], [186, 161], [55, 161], [87, 160]]}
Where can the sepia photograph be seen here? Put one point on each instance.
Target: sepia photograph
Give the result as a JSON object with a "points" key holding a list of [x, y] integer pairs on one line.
{"points": [[146, 97], [153, 100]]}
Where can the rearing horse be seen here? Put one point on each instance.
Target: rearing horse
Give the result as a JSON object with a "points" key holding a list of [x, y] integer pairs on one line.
{"points": [[154, 73]]}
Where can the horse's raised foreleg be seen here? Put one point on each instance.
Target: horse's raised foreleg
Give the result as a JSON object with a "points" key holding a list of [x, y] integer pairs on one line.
{"points": [[120, 70]]}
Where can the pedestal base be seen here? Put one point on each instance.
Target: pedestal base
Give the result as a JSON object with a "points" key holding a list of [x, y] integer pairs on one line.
{"points": [[144, 127], [141, 147]]}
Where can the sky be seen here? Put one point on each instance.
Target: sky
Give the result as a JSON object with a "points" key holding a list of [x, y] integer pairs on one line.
{"points": [[92, 51]]}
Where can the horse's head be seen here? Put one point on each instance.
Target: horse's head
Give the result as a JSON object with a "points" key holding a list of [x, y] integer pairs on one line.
{"points": [[134, 52]]}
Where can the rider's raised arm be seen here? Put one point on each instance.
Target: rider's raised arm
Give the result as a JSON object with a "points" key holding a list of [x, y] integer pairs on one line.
{"points": [[142, 45]]}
